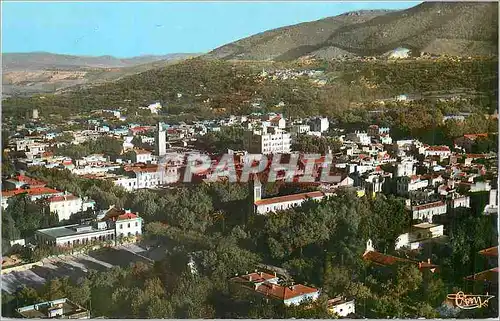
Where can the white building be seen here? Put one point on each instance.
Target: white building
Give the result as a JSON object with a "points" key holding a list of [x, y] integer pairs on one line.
{"points": [[279, 203], [406, 184], [441, 151], [56, 309], [359, 137], [425, 212], [115, 225], [267, 285], [319, 124], [341, 306], [269, 140], [161, 140], [406, 168], [66, 205], [142, 156], [300, 129], [459, 201], [147, 176], [419, 234]]}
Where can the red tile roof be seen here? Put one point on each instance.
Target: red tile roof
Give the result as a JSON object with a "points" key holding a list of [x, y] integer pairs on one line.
{"points": [[254, 277], [492, 251], [141, 151], [28, 180], [382, 259], [31, 191], [474, 136], [127, 216], [116, 214], [428, 205], [283, 292], [476, 156], [488, 275], [289, 198], [62, 198], [140, 129], [438, 148]]}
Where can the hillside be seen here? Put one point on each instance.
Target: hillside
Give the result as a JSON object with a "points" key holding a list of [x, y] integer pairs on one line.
{"points": [[459, 28], [29, 73], [201, 87], [44, 60]]}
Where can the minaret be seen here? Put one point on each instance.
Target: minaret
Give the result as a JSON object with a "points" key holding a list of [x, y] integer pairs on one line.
{"points": [[257, 189], [161, 141]]}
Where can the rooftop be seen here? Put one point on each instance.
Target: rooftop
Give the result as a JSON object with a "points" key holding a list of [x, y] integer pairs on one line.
{"points": [[492, 251], [383, 259], [257, 277], [284, 292], [67, 308], [488, 275], [68, 230], [425, 225], [31, 191], [63, 198]]}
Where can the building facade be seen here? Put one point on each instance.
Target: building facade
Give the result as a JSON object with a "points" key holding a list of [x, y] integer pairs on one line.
{"points": [[269, 140]]}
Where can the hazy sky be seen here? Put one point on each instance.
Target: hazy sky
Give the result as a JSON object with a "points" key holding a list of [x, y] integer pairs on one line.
{"points": [[125, 29]]}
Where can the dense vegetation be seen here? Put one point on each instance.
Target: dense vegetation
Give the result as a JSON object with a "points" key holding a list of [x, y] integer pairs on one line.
{"points": [[320, 244], [209, 85]]}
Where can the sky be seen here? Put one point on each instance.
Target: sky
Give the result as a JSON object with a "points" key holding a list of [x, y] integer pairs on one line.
{"points": [[127, 29]]}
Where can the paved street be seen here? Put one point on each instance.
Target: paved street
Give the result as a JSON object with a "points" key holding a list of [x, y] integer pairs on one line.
{"points": [[74, 266]]}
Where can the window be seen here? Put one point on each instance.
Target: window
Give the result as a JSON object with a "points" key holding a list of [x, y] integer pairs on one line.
{"points": [[136, 224], [128, 225], [121, 226]]}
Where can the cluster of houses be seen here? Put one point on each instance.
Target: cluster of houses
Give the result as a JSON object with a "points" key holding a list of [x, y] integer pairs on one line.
{"points": [[434, 180]]}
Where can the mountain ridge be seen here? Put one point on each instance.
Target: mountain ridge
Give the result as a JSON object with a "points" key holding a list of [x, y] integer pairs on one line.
{"points": [[464, 29], [38, 60]]}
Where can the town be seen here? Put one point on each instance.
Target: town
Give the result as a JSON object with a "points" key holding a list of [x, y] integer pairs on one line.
{"points": [[204, 160], [433, 184]]}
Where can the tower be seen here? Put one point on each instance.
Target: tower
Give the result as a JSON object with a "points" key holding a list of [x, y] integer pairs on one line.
{"points": [[160, 141], [257, 189]]}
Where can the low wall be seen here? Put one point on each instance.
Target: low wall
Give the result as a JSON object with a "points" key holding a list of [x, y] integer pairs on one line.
{"points": [[22, 267]]}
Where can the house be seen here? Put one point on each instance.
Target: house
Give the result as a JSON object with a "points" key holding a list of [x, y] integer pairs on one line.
{"points": [[269, 140], [279, 203], [266, 285], [56, 309], [142, 156], [139, 176], [441, 151], [418, 235], [66, 205], [426, 211], [113, 225], [33, 193], [376, 131], [406, 184], [319, 124], [492, 207], [381, 260], [341, 306], [300, 129], [278, 121], [359, 137], [20, 181], [405, 168], [468, 140], [458, 200]]}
